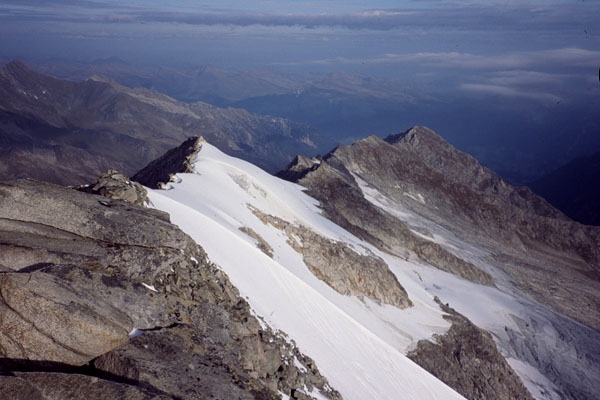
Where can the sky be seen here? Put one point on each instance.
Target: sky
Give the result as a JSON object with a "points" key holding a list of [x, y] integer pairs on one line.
{"points": [[533, 52], [382, 35], [506, 46]]}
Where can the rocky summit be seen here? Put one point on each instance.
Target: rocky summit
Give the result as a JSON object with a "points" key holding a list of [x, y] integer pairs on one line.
{"points": [[101, 298]]}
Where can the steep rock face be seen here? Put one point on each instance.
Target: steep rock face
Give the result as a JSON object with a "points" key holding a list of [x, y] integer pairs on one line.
{"points": [[131, 306], [466, 359], [174, 161], [77, 130]]}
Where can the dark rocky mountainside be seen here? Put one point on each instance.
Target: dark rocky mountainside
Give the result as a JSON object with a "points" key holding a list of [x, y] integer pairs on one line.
{"points": [[69, 132], [574, 189], [131, 306]]}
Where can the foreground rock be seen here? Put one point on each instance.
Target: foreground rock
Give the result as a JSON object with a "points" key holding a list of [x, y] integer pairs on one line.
{"points": [[131, 306]]}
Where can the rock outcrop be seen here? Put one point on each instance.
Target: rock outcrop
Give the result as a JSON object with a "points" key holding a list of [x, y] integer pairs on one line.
{"points": [[342, 268], [466, 359], [131, 306], [116, 186], [177, 160]]}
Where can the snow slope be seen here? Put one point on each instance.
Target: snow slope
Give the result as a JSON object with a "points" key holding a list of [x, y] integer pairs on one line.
{"points": [[357, 344]]}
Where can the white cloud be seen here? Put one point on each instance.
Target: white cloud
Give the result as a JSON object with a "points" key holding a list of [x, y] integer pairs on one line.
{"points": [[516, 62], [509, 92]]}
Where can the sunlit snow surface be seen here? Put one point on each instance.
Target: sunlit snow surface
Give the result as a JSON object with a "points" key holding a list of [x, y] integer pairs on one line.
{"points": [[358, 345]]}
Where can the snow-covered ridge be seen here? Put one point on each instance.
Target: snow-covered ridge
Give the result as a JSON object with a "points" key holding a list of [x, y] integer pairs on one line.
{"points": [[358, 344]]}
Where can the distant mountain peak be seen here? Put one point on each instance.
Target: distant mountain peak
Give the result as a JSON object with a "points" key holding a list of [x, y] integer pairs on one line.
{"points": [[416, 134], [17, 70]]}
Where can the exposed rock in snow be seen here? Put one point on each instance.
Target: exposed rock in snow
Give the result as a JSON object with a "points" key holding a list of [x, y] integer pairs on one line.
{"points": [[467, 359], [345, 270], [177, 160]]}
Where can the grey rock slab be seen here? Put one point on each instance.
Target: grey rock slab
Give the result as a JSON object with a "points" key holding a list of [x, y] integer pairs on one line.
{"points": [[41, 318], [60, 386]]}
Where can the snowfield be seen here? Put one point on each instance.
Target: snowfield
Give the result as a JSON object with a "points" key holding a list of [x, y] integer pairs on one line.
{"points": [[358, 344]]}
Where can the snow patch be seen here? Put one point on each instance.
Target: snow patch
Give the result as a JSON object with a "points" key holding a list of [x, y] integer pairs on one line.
{"points": [[135, 332], [150, 287], [417, 197]]}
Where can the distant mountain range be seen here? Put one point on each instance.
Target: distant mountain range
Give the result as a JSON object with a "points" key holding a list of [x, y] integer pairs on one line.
{"points": [[68, 132], [521, 140]]}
